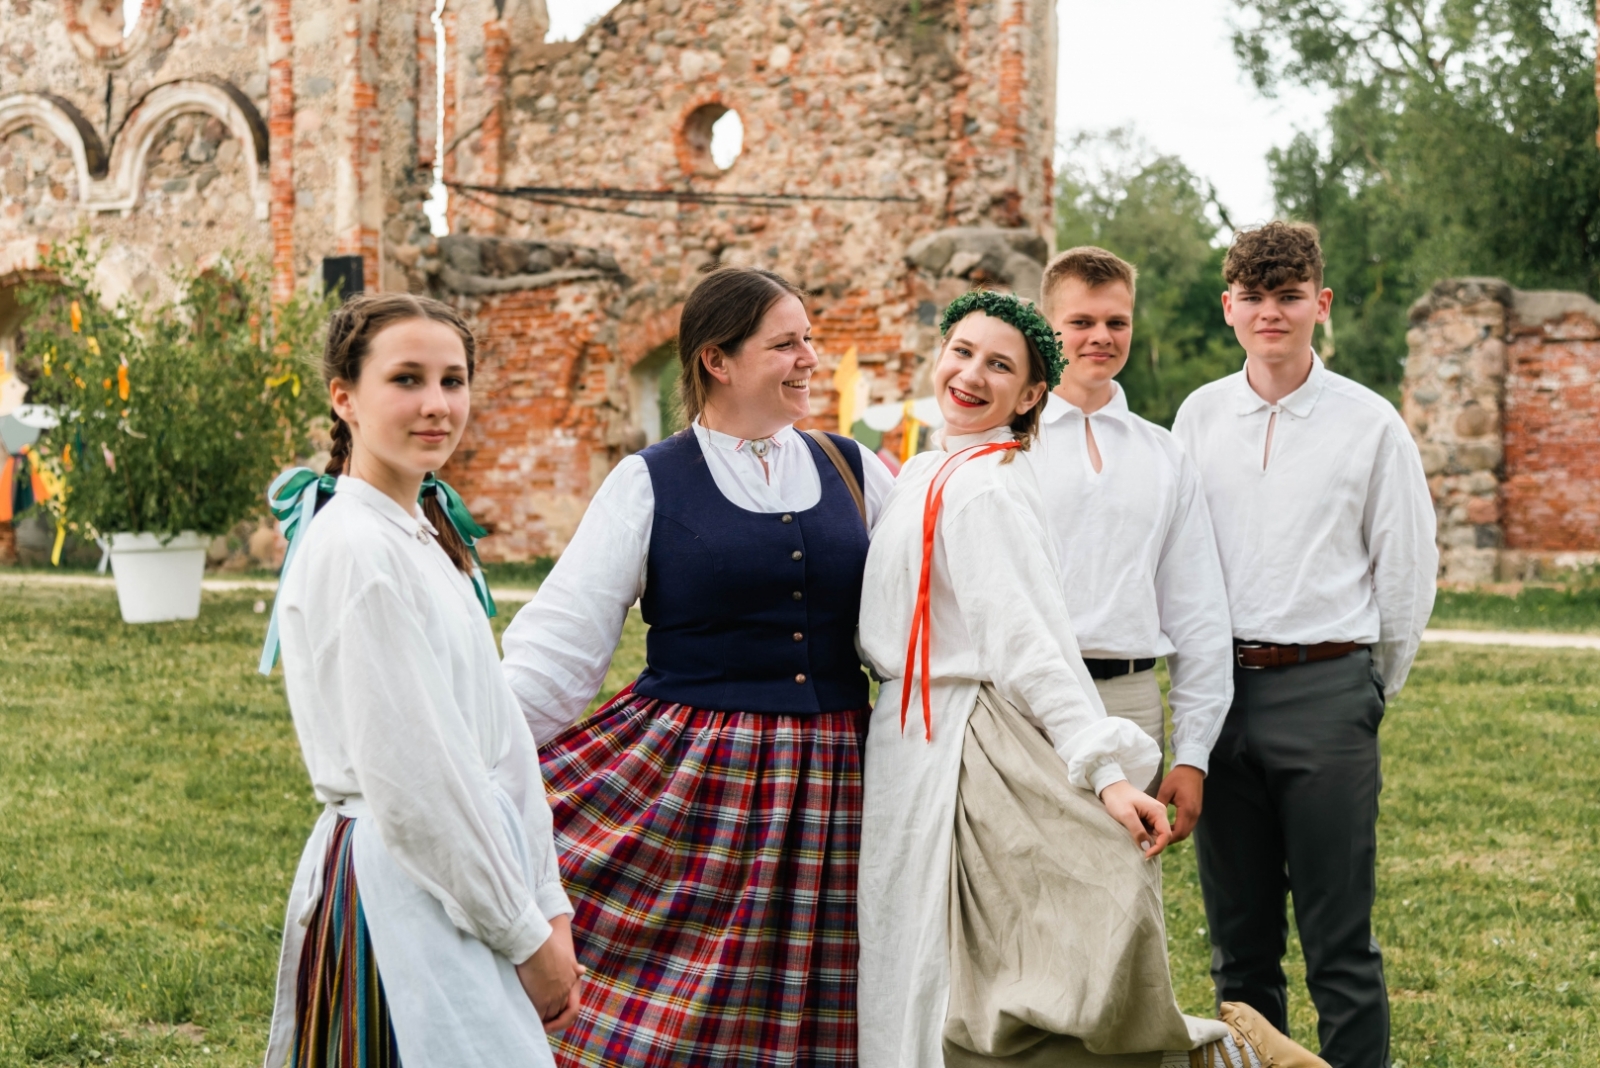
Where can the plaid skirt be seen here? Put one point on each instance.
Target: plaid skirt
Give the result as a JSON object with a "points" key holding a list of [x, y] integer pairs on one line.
{"points": [[711, 858], [341, 1019]]}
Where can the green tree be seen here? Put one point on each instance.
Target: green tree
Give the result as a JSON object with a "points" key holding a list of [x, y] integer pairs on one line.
{"points": [[1157, 214], [1461, 141]]}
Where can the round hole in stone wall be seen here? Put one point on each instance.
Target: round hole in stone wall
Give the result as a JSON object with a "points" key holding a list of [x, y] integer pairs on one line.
{"points": [[711, 140]]}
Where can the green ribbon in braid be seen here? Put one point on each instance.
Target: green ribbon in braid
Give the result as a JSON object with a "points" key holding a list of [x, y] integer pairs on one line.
{"points": [[467, 529], [293, 498]]}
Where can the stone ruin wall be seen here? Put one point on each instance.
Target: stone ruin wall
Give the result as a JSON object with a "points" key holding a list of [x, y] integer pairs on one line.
{"points": [[289, 130], [1502, 392], [156, 143], [947, 114]]}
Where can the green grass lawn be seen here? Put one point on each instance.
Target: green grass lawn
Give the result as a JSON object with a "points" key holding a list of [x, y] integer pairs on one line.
{"points": [[1574, 608], [153, 804]]}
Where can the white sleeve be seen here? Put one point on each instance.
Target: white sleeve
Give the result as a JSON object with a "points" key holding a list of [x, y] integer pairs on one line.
{"points": [[557, 649], [1398, 527], [1192, 601], [878, 482], [421, 772], [996, 553]]}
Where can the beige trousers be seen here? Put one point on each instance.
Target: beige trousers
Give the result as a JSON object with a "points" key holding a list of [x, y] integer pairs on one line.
{"points": [[1138, 697]]}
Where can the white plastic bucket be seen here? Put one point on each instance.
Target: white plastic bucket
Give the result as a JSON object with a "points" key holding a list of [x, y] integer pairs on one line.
{"points": [[158, 582]]}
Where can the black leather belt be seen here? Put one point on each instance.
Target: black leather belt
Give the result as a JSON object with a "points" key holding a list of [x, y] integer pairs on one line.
{"points": [[1115, 669]]}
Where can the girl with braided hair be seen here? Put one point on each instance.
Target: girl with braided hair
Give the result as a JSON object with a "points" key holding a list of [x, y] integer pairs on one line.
{"points": [[1005, 916], [426, 923]]}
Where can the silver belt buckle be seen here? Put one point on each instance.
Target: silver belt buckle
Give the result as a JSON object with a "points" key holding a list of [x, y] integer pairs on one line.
{"points": [[1238, 659]]}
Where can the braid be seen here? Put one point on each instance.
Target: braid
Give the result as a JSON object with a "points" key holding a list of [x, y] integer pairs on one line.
{"points": [[339, 455], [449, 540]]}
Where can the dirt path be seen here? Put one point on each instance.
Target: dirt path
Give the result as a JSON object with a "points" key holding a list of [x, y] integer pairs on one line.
{"points": [[1528, 639], [509, 594]]}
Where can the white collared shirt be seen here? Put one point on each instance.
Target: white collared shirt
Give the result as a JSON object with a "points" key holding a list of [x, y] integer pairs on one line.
{"points": [[1330, 537], [1138, 559], [559, 646]]}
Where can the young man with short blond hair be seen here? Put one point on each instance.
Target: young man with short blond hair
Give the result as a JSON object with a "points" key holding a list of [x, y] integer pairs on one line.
{"points": [[1129, 519], [1325, 527]]}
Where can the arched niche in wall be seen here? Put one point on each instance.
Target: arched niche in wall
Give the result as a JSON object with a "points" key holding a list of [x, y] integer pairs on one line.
{"points": [[100, 30], [113, 182], [222, 100], [63, 121]]}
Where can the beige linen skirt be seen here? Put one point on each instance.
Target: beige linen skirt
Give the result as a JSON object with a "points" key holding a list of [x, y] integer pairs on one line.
{"points": [[1058, 952]]}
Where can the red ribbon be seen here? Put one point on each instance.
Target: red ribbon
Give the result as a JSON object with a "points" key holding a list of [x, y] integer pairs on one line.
{"points": [[922, 614]]}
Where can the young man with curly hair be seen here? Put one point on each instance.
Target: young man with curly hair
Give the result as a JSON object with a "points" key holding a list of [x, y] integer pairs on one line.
{"points": [[1325, 527]]}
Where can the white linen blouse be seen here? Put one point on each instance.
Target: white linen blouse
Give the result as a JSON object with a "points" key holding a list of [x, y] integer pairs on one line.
{"points": [[998, 617], [1329, 537], [1138, 559], [559, 646], [407, 725]]}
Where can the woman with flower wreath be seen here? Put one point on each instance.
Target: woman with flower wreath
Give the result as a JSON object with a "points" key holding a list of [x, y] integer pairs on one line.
{"points": [[1005, 916]]}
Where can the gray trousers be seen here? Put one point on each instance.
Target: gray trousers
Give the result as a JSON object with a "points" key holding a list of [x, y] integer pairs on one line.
{"points": [[1291, 806]]}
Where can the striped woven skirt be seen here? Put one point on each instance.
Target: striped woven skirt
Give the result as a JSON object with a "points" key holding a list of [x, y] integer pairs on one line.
{"points": [[711, 858], [341, 1019]]}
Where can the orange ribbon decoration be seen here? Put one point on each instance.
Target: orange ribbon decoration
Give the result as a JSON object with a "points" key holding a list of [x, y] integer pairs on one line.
{"points": [[922, 614]]}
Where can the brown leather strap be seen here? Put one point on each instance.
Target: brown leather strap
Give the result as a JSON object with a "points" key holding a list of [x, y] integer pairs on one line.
{"points": [[825, 443], [1257, 655]]}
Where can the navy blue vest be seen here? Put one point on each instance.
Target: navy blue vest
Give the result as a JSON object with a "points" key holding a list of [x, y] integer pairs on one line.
{"points": [[751, 611]]}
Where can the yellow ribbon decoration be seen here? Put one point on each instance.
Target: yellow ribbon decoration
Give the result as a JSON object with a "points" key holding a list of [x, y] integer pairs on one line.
{"points": [[61, 538], [911, 429], [845, 377]]}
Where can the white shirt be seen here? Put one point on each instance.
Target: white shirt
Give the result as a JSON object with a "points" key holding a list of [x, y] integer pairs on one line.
{"points": [[1330, 538], [407, 726], [998, 617], [1142, 578], [559, 646]]}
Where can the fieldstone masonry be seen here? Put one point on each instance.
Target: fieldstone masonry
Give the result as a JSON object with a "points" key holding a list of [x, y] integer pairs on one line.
{"points": [[894, 153], [1502, 392]]}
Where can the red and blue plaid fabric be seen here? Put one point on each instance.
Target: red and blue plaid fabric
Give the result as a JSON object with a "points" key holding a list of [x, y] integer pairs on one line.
{"points": [[341, 1018], [711, 857]]}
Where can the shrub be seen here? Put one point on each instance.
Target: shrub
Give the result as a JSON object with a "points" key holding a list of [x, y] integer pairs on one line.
{"points": [[174, 416]]}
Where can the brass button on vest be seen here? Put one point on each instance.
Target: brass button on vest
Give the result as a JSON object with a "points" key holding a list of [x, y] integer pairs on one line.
{"points": [[797, 554], [800, 679], [799, 637], [788, 519], [798, 595]]}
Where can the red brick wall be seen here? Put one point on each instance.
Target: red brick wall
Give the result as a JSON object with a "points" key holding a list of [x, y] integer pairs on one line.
{"points": [[546, 423], [1551, 491]]}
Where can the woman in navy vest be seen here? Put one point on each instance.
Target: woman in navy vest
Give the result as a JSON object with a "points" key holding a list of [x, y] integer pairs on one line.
{"points": [[708, 819]]}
